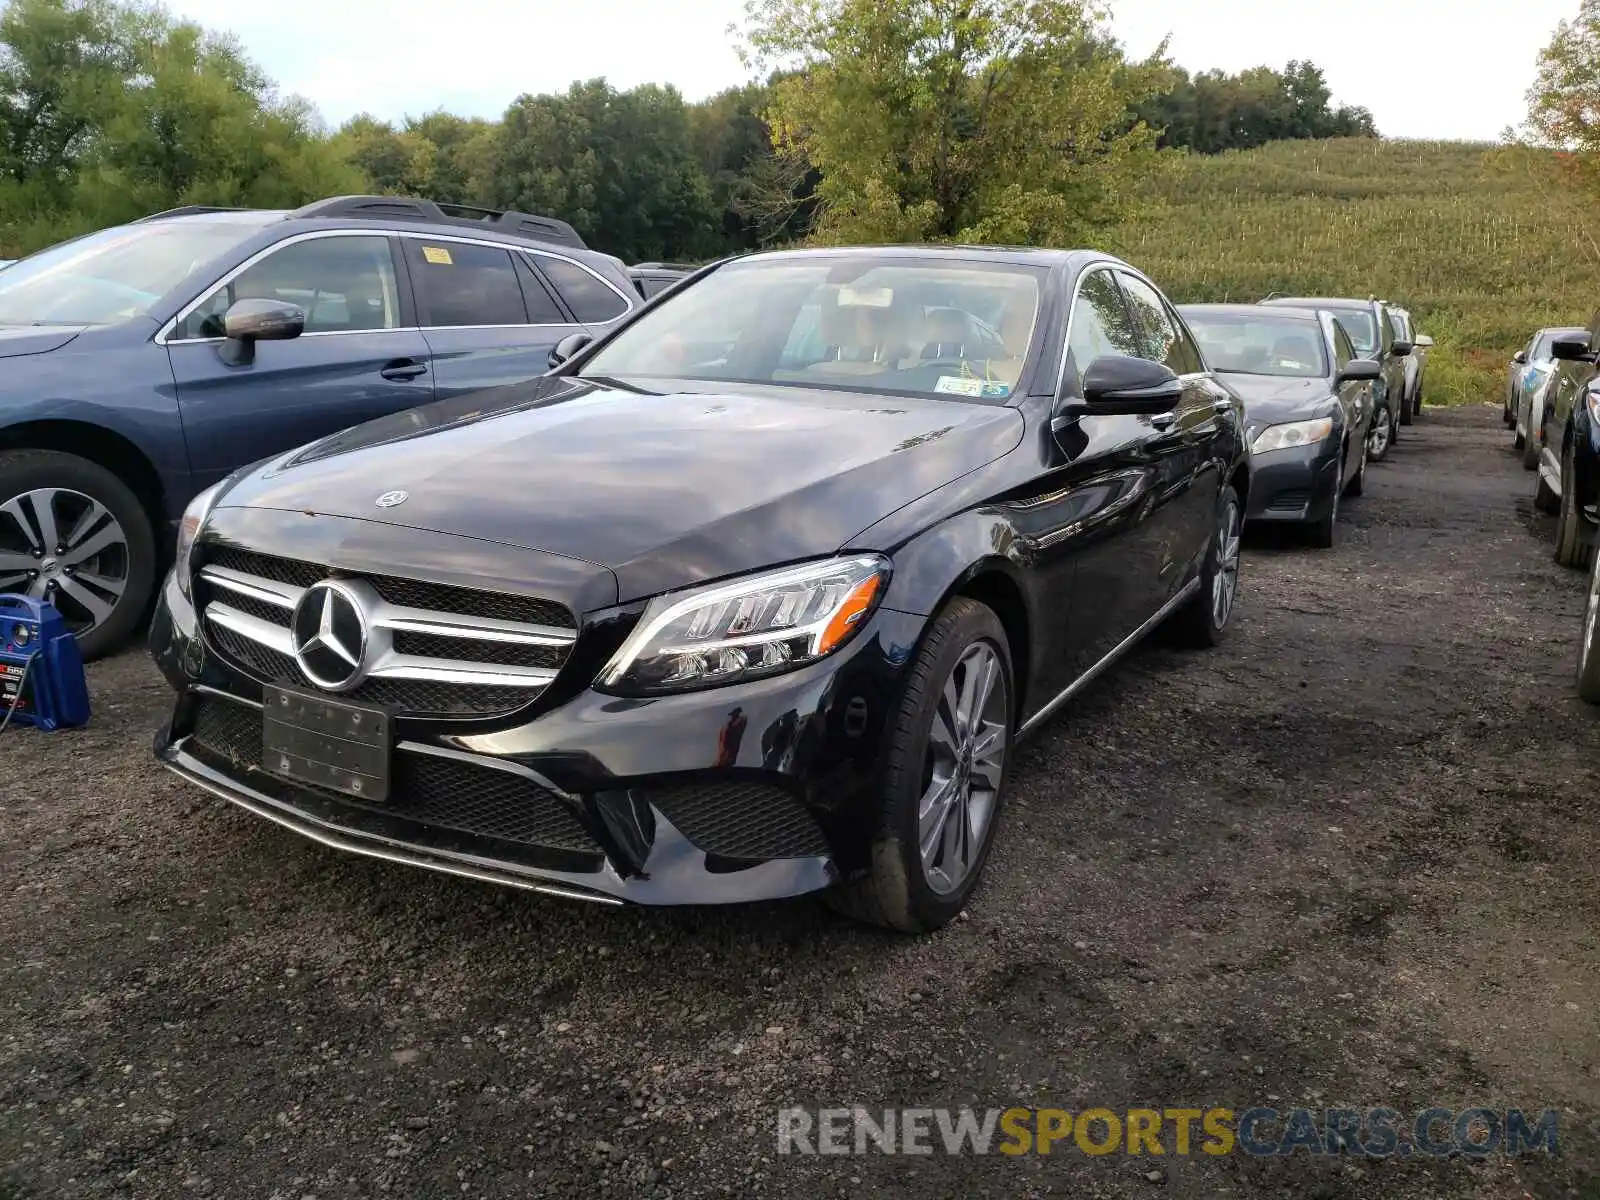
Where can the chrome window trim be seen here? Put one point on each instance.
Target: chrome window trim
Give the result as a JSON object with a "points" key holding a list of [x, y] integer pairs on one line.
{"points": [[164, 337]]}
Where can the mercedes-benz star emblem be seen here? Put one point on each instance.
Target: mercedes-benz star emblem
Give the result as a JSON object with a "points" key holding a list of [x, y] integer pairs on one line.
{"points": [[329, 636], [390, 499]]}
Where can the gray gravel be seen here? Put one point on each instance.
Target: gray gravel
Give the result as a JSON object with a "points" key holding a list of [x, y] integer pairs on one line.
{"points": [[1346, 859]]}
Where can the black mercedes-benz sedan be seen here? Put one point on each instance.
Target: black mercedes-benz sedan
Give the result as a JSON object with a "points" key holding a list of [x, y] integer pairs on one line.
{"points": [[1308, 407], [750, 598]]}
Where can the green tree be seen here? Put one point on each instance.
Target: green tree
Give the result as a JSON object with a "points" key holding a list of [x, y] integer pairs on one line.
{"points": [[620, 166], [986, 120], [1564, 102]]}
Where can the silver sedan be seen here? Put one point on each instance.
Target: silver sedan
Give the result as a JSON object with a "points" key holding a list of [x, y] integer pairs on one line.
{"points": [[1530, 372]]}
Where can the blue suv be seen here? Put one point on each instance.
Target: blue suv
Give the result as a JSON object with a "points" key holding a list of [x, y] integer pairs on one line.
{"points": [[142, 364]]}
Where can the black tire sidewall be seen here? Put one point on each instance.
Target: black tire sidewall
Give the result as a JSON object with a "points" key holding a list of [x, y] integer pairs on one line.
{"points": [[28, 470], [1588, 655], [966, 622]]}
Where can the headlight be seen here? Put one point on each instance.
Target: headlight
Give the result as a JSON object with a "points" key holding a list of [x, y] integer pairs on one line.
{"points": [[194, 520], [752, 627], [1293, 433]]}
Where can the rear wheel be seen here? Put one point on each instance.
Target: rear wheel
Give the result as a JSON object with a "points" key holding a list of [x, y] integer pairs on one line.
{"points": [[1381, 435], [1572, 547], [75, 535], [944, 783]]}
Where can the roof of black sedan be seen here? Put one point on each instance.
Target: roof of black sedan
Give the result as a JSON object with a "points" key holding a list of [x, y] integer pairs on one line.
{"points": [[1035, 255], [1247, 310], [1317, 302]]}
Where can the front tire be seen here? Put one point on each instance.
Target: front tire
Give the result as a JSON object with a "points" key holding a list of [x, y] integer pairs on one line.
{"points": [[1572, 549], [1545, 500], [1358, 481], [74, 534], [1589, 648], [1203, 622], [945, 776], [1321, 533]]}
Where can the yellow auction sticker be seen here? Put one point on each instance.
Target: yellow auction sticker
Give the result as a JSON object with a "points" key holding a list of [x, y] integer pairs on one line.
{"points": [[436, 254]]}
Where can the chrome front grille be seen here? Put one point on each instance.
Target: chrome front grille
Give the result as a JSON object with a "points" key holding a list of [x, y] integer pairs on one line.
{"points": [[432, 649]]}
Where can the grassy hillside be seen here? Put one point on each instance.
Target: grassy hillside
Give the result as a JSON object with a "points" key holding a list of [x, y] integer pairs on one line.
{"points": [[1483, 244]]}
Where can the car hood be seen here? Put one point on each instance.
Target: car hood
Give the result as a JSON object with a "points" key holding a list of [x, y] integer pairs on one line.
{"points": [[35, 339], [665, 490], [1272, 398]]}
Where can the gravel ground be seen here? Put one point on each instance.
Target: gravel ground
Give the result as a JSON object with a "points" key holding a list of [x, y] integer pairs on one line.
{"points": [[1346, 859]]}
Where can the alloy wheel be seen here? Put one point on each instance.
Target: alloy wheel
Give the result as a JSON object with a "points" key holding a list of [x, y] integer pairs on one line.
{"points": [[965, 759], [1591, 618], [1378, 437], [64, 547], [1225, 584]]}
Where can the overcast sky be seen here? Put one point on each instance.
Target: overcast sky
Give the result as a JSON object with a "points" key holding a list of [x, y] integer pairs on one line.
{"points": [[1426, 68]]}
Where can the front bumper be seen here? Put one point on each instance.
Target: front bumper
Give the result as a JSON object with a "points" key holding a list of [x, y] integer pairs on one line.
{"points": [[750, 792], [1296, 484]]}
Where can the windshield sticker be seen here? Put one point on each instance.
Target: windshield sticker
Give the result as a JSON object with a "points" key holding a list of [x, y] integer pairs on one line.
{"points": [[954, 385], [437, 254]]}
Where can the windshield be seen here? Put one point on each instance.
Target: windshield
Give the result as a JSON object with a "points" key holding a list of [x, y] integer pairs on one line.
{"points": [[111, 275], [956, 328], [1252, 344]]}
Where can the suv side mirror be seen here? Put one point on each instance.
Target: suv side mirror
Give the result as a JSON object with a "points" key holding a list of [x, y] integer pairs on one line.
{"points": [[250, 321], [1359, 370], [1520, 358], [1402, 349], [1424, 341], [567, 347], [1572, 350], [1130, 386]]}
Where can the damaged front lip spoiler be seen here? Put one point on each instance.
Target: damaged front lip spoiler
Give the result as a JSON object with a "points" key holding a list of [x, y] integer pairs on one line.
{"points": [[680, 876]]}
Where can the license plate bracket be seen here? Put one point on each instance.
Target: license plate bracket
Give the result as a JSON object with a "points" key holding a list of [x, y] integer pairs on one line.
{"points": [[310, 738]]}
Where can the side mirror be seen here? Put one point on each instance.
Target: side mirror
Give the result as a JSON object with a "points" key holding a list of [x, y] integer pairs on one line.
{"points": [[1572, 350], [250, 321], [567, 347], [1360, 370], [1402, 349], [1424, 341], [1520, 358], [1130, 386]]}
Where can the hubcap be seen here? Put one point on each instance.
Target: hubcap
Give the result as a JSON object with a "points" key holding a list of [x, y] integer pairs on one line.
{"points": [[67, 548], [1378, 439], [961, 777], [1226, 581]]}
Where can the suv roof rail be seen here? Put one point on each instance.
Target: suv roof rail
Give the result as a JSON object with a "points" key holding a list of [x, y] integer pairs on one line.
{"points": [[406, 208], [187, 210], [1274, 296]]}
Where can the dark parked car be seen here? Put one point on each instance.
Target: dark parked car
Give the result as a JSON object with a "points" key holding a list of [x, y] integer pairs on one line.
{"points": [[144, 363], [749, 599], [651, 279], [1569, 441], [1367, 323], [1307, 405]]}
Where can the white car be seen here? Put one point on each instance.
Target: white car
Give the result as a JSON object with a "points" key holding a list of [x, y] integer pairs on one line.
{"points": [[1531, 374]]}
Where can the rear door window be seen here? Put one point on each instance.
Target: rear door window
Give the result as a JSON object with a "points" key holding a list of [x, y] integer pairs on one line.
{"points": [[590, 298], [461, 284]]}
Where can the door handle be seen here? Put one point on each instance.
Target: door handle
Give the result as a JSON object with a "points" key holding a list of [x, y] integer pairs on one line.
{"points": [[1164, 421], [403, 369]]}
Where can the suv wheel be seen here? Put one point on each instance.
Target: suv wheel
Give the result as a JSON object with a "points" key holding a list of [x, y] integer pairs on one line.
{"points": [[1381, 435], [73, 534], [944, 783], [1407, 411]]}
